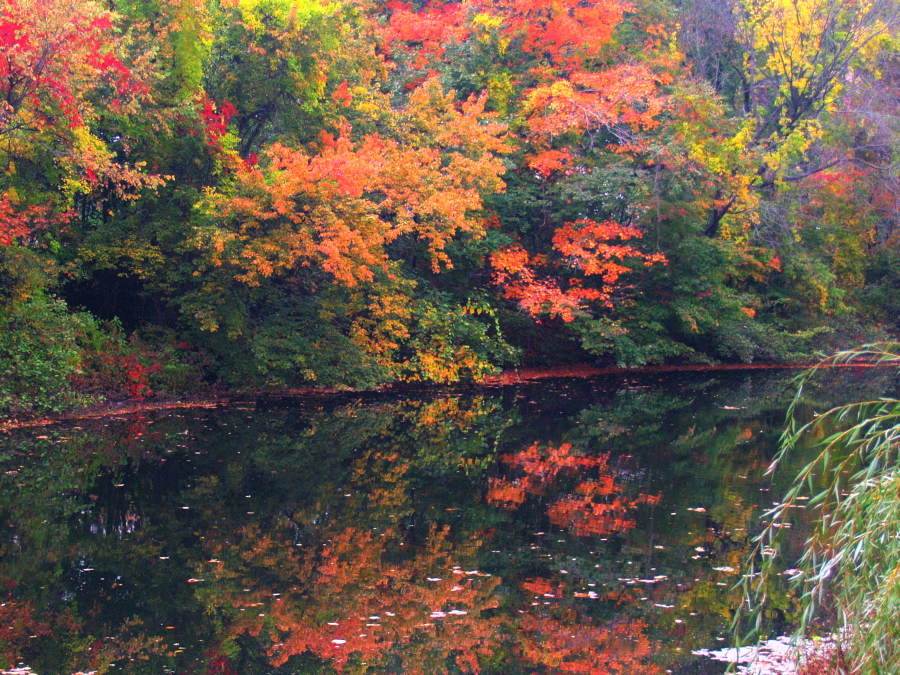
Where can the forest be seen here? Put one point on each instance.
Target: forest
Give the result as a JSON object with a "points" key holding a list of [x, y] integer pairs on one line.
{"points": [[270, 194]]}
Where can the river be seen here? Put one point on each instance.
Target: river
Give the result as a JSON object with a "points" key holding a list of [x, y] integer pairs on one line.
{"points": [[566, 526]]}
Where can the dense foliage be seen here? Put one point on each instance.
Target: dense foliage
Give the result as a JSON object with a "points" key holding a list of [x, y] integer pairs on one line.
{"points": [[274, 193]]}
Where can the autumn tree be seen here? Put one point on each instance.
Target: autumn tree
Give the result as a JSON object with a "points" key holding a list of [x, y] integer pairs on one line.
{"points": [[797, 62], [356, 192], [333, 214], [62, 68], [573, 106]]}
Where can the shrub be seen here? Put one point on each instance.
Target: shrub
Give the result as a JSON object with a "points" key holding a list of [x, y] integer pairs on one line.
{"points": [[136, 367], [39, 355]]}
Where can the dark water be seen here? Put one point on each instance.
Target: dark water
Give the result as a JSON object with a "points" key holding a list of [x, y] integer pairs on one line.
{"points": [[592, 526]]}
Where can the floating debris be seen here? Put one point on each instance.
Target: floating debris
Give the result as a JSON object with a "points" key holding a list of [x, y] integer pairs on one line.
{"points": [[772, 657]]}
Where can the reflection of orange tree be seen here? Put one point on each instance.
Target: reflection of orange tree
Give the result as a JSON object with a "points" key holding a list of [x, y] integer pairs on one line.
{"points": [[560, 639], [349, 602], [596, 506], [18, 624], [36, 634], [364, 597], [355, 605], [560, 644]]}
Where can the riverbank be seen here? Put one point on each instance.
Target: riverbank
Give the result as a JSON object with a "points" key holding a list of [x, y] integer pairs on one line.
{"points": [[222, 397]]}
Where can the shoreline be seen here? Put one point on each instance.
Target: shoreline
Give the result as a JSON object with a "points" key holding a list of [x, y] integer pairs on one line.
{"points": [[506, 378]]}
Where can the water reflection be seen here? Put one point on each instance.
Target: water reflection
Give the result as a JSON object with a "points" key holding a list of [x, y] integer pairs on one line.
{"points": [[568, 527], [594, 504]]}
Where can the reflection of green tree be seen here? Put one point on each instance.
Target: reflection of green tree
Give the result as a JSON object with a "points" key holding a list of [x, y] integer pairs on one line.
{"points": [[79, 491]]}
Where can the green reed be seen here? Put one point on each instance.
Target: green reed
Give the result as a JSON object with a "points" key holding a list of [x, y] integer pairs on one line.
{"points": [[850, 568]]}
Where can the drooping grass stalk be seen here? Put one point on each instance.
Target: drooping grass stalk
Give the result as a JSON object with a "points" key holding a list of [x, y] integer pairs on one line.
{"points": [[851, 563]]}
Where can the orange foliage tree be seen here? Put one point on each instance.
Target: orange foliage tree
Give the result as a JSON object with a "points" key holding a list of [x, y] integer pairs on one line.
{"points": [[17, 224], [339, 204], [584, 247], [560, 84], [565, 33]]}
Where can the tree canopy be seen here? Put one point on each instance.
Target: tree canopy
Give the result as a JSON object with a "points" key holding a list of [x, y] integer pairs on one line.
{"points": [[275, 193]]}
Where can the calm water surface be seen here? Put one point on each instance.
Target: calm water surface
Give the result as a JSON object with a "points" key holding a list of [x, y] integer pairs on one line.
{"points": [[593, 526]]}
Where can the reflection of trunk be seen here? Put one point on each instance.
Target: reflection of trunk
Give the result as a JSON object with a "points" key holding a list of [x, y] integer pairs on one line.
{"points": [[651, 533]]}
